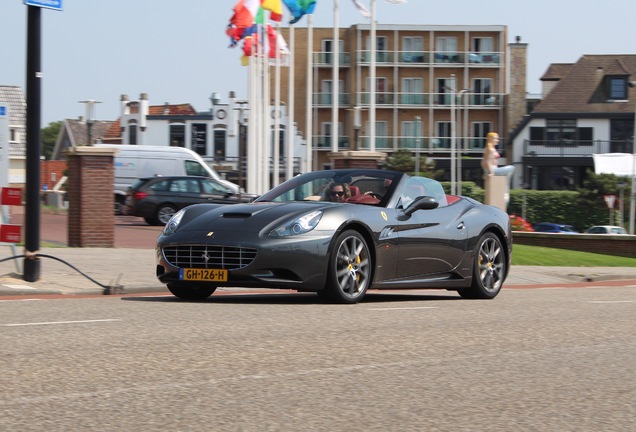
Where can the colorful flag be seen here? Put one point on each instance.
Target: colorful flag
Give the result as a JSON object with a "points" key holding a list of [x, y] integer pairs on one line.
{"points": [[275, 8], [243, 18], [362, 8], [299, 8]]}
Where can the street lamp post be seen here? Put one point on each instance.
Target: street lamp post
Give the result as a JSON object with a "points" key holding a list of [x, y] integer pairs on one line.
{"points": [[621, 207], [462, 133], [632, 205], [417, 145], [357, 124]]}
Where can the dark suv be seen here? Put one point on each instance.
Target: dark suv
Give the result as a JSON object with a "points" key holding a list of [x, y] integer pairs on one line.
{"points": [[156, 199]]}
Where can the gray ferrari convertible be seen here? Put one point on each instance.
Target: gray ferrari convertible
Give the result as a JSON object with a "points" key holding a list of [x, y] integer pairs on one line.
{"points": [[339, 233]]}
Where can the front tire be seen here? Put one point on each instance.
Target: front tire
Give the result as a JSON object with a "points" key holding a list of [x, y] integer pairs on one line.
{"points": [[350, 269], [489, 269], [190, 291]]}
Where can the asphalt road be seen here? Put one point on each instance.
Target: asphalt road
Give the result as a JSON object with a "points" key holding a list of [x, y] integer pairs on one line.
{"points": [[530, 360]]}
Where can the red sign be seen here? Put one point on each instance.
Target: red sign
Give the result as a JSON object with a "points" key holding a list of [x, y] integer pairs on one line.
{"points": [[10, 233], [11, 196]]}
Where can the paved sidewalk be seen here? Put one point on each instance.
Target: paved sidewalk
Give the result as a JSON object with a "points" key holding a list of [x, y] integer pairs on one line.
{"points": [[114, 270]]}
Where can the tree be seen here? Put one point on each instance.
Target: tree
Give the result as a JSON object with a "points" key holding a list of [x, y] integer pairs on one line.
{"points": [[403, 161], [49, 136]]}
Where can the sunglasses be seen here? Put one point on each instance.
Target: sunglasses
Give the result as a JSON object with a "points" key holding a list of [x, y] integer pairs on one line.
{"points": [[336, 193]]}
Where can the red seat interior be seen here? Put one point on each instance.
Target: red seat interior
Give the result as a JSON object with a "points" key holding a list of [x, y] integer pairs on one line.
{"points": [[451, 199]]}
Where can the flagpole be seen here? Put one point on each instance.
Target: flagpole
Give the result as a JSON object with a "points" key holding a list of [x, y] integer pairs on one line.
{"points": [[251, 169], [289, 141], [276, 150], [335, 77], [372, 79], [266, 136], [309, 98]]}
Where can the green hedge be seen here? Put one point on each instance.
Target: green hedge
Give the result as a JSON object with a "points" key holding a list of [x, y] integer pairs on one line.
{"points": [[566, 207]]}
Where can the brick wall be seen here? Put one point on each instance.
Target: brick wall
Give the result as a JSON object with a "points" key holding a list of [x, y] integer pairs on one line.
{"points": [[91, 219], [618, 245], [51, 172], [356, 159]]}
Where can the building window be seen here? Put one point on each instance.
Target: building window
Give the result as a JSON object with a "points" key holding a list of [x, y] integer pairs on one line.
{"points": [[446, 50], [482, 92], [617, 88], [480, 130], [177, 135], [412, 49], [219, 144], [411, 134], [132, 133], [561, 131], [412, 91], [328, 50], [443, 139], [381, 95], [444, 89], [13, 134], [482, 45], [381, 53], [199, 135]]}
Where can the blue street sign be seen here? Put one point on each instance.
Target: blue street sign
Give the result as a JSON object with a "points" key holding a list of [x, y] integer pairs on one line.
{"points": [[3, 111], [49, 4]]}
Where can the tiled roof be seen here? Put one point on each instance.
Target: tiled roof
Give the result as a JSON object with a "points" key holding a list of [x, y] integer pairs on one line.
{"points": [[113, 134], [14, 98], [168, 109], [556, 71], [165, 109], [581, 87], [79, 130]]}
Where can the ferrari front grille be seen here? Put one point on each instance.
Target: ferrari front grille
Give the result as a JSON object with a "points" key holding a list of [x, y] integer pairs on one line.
{"points": [[217, 257]]}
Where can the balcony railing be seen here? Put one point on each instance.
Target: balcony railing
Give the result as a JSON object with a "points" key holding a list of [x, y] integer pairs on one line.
{"points": [[536, 148], [405, 58], [324, 142], [469, 146], [326, 58], [484, 100], [326, 99]]}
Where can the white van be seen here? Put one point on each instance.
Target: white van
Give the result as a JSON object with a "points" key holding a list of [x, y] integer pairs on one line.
{"points": [[137, 161]]}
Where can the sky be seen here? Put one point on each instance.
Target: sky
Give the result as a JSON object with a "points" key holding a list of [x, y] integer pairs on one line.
{"points": [[178, 52]]}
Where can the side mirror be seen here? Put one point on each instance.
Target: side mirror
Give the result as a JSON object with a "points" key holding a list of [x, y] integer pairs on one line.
{"points": [[421, 203]]}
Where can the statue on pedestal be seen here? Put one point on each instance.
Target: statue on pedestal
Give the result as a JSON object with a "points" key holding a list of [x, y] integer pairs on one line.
{"points": [[489, 162]]}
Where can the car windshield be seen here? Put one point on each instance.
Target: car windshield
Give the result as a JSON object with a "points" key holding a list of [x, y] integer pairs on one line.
{"points": [[371, 187]]}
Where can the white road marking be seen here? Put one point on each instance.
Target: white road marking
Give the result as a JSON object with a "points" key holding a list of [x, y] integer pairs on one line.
{"points": [[403, 308], [59, 322], [5, 301], [19, 287], [610, 301]]}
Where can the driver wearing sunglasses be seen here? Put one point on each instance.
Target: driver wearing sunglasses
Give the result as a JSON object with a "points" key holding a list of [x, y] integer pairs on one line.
{"points": [[339, 192]]}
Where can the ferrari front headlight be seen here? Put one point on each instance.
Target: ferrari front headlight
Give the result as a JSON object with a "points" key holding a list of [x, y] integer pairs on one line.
{"points": [[173, 223], [299, 225]]}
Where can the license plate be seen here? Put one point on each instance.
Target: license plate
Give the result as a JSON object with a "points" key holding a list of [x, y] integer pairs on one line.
{"points": [[205, 275]]}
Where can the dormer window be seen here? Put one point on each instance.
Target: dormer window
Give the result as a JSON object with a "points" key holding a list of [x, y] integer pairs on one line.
{"points": [[617, 88]]}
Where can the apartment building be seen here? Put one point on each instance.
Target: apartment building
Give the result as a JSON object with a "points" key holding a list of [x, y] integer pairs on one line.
{"points": [[437, 88]]}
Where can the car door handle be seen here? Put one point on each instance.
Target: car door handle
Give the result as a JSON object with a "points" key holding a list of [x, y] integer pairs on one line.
{"points": [[461, 225]]}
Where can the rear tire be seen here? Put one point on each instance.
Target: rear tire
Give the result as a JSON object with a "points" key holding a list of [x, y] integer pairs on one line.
{"points": [[350, 269], [489, 269], [190, 291], [119, 205]]}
